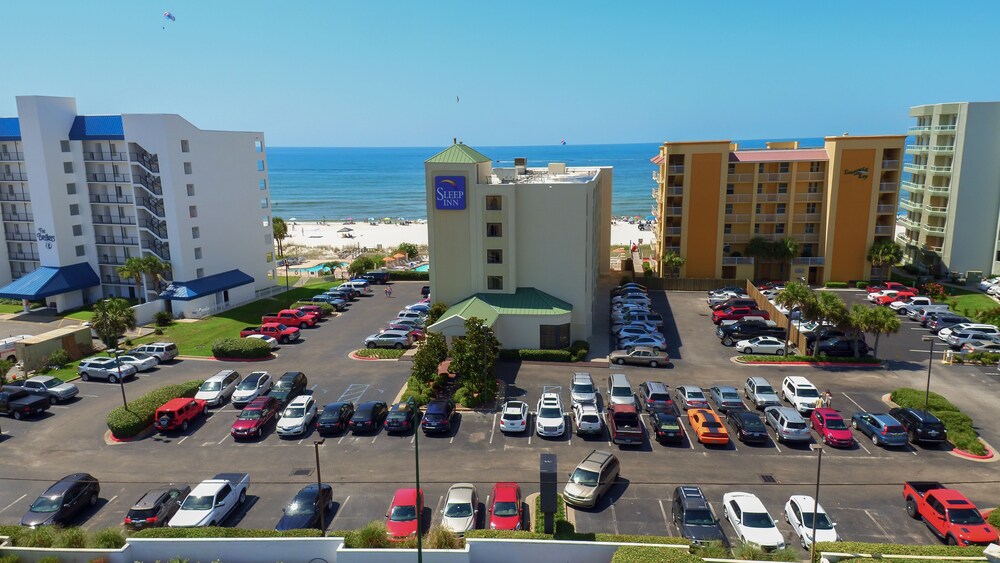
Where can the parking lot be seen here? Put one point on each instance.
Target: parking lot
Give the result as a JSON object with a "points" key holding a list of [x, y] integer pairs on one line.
{"points": [[861, 486]]}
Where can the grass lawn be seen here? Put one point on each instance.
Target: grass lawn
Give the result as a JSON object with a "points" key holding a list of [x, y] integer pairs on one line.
{"points": [[196, 338], [6, 308], [970, 303], [81, 315]]}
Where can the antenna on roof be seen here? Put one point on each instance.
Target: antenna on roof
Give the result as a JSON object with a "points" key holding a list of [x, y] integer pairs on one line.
{"points": [[454, 140]]}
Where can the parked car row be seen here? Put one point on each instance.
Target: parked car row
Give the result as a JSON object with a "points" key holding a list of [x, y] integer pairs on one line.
{"points": [[402, 331], [635, 328]]}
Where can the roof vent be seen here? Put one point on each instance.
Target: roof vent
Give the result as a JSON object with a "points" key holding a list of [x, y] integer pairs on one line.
{"points": [[520, 164]]}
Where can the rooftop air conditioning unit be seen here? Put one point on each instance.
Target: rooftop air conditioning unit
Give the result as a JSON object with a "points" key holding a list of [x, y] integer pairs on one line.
{"points": [[520, 164]]}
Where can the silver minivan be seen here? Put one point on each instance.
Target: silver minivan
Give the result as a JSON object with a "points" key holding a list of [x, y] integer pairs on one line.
{"points": [[788, 424], [219, 388], [619, 391]]}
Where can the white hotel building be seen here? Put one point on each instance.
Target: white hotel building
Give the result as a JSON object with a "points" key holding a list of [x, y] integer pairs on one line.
{"points": [[80, 194]]}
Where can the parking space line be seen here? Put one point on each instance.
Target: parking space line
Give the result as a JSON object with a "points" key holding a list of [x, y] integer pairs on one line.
{"points": [[614, 519], [666, 521], [313, 388], [858, 442], [879, 526], [925, 351], [203, 444], [452, 441], [181, 441], [111, 500], [58, 406], [353, 393], [376, 437], [686, 433], [494, 427], [13, 503], [91, 396], [853, 401], [412, 438], [340, 509], [438, 507], [224, 439]]}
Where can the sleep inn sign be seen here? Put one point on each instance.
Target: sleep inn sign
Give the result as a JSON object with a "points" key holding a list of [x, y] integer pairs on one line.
{"points": [[449, 192]]}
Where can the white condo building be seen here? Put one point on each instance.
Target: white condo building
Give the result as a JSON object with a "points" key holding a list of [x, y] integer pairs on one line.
{"points": [[952, 221], [80, 194]]}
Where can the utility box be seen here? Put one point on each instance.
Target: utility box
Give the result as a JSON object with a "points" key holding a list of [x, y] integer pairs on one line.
{"points": [[973, 277], [548, 479]]}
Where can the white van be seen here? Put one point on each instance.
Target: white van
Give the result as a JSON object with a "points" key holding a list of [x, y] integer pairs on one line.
{"points": [[7, 346]]}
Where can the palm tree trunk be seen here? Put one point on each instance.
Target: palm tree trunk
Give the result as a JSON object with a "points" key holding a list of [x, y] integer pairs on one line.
{"points": [[875, 350]]}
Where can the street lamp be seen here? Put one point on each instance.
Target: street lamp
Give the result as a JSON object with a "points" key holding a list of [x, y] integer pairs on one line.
{"points": [[121, 383], [819, 467], [416, 460], [930, 361], [287, 286], [319, 489]]}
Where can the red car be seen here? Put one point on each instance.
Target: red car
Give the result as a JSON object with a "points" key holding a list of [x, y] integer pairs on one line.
{"points": [[415, 333], [895, 286], [831, 427], [316, 310], [505, 507], [737, 313], [899, 296], [254, 418], [404, 514]]}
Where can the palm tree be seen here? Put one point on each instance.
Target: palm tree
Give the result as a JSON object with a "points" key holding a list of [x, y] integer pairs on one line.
{"points": [[673, 262], [829, 308], [280, 229], [112, 317], [884, 254], [857, 322], [795, 295], [882, 320], [759, 249], [156, 268], [134, 268], [786, 249]]}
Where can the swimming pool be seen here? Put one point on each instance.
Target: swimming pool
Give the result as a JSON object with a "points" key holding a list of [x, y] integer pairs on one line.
{"points": [[316, 268], [423, 268]]}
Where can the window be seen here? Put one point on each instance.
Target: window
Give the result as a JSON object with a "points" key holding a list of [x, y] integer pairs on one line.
{"points": [[813, 187], [190, 190], [554, 336], [195, 232], [810, 208], [494, 230], [757, 209], [193, 211], [494, 282], [727, 228], [494, 256], [779, 228], [199, 273], [68, 167], [263, 203], [493, 203], [760, 168], [732, 168], [263, 184], [815, 167], [184, 146], [783, 188], [78, 230], [197, 253], [729, 209], [71, 188], [266, 220], [258, 145], [810, 228], [64, 146], [268, 239], [74, 209], [260, 166], [187, 167], [783, 167], [780, 209], [269, 257], [730, 189], [760, 188], [756, 228], [81, 250]]}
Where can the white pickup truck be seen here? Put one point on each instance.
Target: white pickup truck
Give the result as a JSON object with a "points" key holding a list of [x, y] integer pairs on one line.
{"points": [[212, 501]]}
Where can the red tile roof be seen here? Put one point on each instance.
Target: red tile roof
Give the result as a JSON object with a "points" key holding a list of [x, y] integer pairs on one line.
{"points": [[658, 159], [779, 155]]}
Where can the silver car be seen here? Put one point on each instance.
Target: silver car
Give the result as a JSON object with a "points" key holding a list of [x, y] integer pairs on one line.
{"points": [[398, 339], [141, 361], [53, 387], [582, 390], [104, 368], [461, 508], [788, 424], [591, 479]]}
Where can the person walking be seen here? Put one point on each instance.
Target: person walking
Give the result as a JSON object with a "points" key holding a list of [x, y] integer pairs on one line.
{"points": [[387, 291], [827, 399]]}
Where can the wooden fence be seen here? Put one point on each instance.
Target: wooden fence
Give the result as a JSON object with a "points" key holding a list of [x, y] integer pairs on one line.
{"points": [[795, 337]]}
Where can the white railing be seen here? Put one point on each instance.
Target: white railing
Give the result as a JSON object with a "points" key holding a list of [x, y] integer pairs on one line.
{"points": [[907, 222], [912, 186], [911, 205], [675, 169], [886, 209], [769, 217], [737, 260], [914, 167], [938, 189], [739, 198], [944, 148], [735, 237], [813, 176], [933, 230], [807, 217], [773, 176], [809, 197], [919, 128], [952, 127], [737, 217], [736, 178], [772, 197], [813, 261], [941, 210], [946, 169], [916, 148]]}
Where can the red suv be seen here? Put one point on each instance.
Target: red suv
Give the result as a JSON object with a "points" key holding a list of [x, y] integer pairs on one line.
{"points": [[177, 414], [255, 417]]}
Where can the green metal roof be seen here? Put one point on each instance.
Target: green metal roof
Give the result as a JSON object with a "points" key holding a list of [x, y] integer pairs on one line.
{"points": [[525, 301], [459, 154]]}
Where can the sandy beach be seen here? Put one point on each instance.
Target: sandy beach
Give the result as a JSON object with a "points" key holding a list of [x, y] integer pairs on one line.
{"points": [[387, 236]]}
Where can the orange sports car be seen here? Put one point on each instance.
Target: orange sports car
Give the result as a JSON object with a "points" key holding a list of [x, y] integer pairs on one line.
{"points": [[707, 426]]}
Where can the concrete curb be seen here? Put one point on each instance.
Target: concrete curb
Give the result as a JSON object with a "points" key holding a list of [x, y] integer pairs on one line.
{"points": [[736, 360], [990, 456], [354, 356], [110, 439]]}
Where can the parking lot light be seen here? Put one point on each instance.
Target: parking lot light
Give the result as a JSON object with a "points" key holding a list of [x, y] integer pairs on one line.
{"points": [[319, 489], [121, 383], [819, 467], [930, 361]]}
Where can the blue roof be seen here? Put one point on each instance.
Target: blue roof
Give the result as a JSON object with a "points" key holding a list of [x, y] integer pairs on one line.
{"points": [[209, 285], [97, 128], [48, 280], [10, 129]]}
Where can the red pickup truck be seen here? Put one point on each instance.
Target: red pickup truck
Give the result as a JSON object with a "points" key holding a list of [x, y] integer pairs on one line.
{"points": [[178, 414], [291, 317], [278, 331], [894, 286], [624, 424], [899, 296], [947, 513], [737, 313]]}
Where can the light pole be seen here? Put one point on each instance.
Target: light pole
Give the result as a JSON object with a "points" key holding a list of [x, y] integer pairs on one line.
{"points": [[812, 539], [930, 361], [287, 286], [121, 383], [319, 489], [416, 460]]}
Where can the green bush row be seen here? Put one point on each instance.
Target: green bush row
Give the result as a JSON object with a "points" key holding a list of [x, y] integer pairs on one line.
{"points": [[537, 355], [907, 397], [650, 554], [579, 350], [862, 284], [507, 535], [961, 432], [898, 549], [981, 358], [128, 423], [409, 275], [835, 285], [240, 348], [54, 536], [219, 532], [799, 358], [381, 353]]}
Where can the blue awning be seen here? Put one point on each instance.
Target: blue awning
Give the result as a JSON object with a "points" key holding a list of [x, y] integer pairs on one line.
{"points": [[209, 285], [48, 280], [97, 128], [10, 129]]}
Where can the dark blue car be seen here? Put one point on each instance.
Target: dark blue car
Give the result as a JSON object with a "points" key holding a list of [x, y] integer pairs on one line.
{"points": [[304, 509], [883, 429], [437, 417]]}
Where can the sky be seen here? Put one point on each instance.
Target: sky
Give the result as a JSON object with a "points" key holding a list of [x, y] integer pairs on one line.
{"points": [[407, 73]]}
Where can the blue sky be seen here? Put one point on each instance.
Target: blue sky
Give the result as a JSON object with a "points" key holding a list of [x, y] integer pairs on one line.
{"points": [[333, 73]]}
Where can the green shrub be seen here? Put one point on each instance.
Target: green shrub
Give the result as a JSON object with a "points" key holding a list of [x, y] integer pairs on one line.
{"points": [[163, 318], [372, 536], [240, 348], [982, 358], [994, 518], [108, 538], [10, 559], [73, 538], [636, 538], [961, 432], [158, 331], [326, 307], [217, 532], [42, 536], [862, 284], [139, 416], [537, 355], [712, 550], [835, 285], [439, 537], [380, 353], [578, 350], [59, 358], [507, 534], [914, 398], [897, 549], [49, 559], [651, 554], [822, 358], [418, 390], [409, 275]]}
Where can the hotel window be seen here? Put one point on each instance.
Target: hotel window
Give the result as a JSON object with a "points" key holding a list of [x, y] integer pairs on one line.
{"points": [[197, 253], [494, 230], [78, 230], [757, 209], [810, 228], [760, 188], [779, 228], [813, 187], [268, 239], [263, 184], [494, 256], [190, 190], [783, 167], [266, 220], [263, 203], [184, 146], [199, 273], [68, 167], [195, 232], [732, 168], [187, 167], [81, 250], [810, 208], [756, 228], [780, 209], [494, 282], [269, 256], [815, 167], [71, 188], [782, 188], [64, 146], [730, 189], [807, 250], [258, 145], [729, 209], [493, 203], [260, 166], [74, 209], [760, 168], [726, 248], [727, 229], [192, 211]]}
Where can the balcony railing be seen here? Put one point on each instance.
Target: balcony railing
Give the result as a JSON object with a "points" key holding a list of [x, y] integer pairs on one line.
{"points": [[811, 176], [941, 169], [675, 190], [19, 236], [672, 231], [737, 217], [937, 209], [890, 164], [23, 256], [903, 239], [772, 197], [886, 187], [770, 217], [952, 127], [773, 176], [11, 156], [113, 220], [154, 228], [811, 261], [739, 198], [938, 189], [737, 178], [735, 237], [914, 167], [22, 217], [809, 197], [671, 211], [117, 241], [917, 148], [674, 249], [908, 223], [111, 260], [808, 237], [884, 229], [807, 218], [932, 247], [886, 209], [911, 205], [933, 229], [675, 169], [13, 177], [153, 205], [944, 148], [919, 129], [150, 162], [150, 182], [912, 186], [656, 176], [15, 196], [105, 156], [108, 178], [737, 260], [111, 199], [115, 280], [772, 236], [160, 249]]}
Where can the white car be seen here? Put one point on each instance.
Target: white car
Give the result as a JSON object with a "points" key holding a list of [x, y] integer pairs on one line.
{"points": [[647, 327], [271, 341], [751, 521], [993, 290], [297, 416], [903, 307], [884, 293], [256, 384], [630, 331], [723, 296], [944, 333], [799, 514], [588, 419], [987, 283], [514, 417], [549, 417], [762, 345], [142, 362]]}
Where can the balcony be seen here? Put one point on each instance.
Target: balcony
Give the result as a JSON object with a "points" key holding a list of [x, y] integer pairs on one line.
{"points": [[770, 217], [772, 236], [113, 220], [153, 227], [656, 176], [117, 241], [888, 187], [772, 197], [23, 256], [105, 156], [811, 176], [918, 129], [737, 217], [890, 165], [111, 199], [11, 156], [675, 169], [808, 218], [938, 190], [111, 260], [739, 198], [148, 161], [15, 196], [102, 178], [810, 261], [672, 231], [931, 247], [675, 190], [914, 167], [672, 211], [884, 209], [809, 197], [27, 237], [737, 178], [735, 237], [115, 280], [884, 229], [20, 217], [912, 187], [773, 176], [911, 205], [807, 237], [941, 169], [951, 127], [150, 182], [13, 177], [153, 205], [936, 209], [737, 260], [908, 223], [944, 148], [932, 229], [901, 238], [917, 149], [160, 249]]}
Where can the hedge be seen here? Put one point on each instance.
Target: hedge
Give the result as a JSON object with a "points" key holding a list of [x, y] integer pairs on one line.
{"points": [[139, 416], [240, 348], [862, 284], [537, 355], [55, 536], [579, 350], [958, 424], [835, 285], [507, 535], [982, 358], [994, 518], [798, 358], [381, 353], [898, 549], [408, 275], [219, 532], [650, 554]]}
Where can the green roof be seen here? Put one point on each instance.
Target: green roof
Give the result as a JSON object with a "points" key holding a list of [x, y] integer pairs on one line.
{"points": [[525, 301], [459, 154]]}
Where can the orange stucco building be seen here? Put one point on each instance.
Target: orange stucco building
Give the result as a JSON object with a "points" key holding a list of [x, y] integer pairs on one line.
{"points": [[835, 201]]}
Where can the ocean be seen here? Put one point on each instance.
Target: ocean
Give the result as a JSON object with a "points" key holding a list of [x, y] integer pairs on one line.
{"points": [[333, 183]]}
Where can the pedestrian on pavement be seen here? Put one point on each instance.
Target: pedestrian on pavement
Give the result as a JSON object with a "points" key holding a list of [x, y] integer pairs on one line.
{"points": [[387, 291], [827, 399]]}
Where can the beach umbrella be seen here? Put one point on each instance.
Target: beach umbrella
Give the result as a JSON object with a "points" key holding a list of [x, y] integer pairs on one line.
{"points": [[388, 259], [344, 230], [650, 218], [399, 255], [293, 219]]}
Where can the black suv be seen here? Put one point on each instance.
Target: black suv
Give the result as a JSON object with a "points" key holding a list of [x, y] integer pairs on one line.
{"points": [[291, 385], [840, 346], [921, 425], [437, 417], [156, 507], [823, 333], [742, 330], [694, 518], [63, 501]]}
